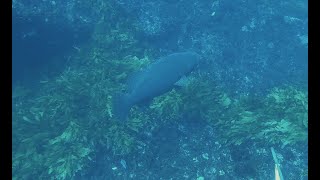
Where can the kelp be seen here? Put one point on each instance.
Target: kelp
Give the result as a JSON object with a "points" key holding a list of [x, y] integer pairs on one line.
{"points": [[68, 152], [286, 109], [203, 99], [279, 118], [56, 128], [168, 106]]}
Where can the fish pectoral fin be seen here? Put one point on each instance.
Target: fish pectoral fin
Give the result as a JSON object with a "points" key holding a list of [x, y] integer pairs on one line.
{"points": [[182, 82]]}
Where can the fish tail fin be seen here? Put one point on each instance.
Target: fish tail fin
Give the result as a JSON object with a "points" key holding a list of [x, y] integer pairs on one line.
{"points": [[121, 106]]}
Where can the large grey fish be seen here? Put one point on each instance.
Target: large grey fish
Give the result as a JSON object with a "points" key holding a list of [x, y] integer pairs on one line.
{"points": [[156, 79]]}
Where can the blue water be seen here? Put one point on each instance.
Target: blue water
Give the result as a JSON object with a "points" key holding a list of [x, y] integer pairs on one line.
{"points": [[40, 48], [248, 47]]}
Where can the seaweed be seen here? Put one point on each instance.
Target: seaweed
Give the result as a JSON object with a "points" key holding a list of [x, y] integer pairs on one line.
{"points": [[281, 117], [56, 128]]}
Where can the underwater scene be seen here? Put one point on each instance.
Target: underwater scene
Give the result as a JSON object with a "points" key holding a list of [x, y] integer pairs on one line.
{"points": [[160, 89]]}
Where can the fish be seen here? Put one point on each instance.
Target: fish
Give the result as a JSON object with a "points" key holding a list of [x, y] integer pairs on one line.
{"points": [[156, 79]]}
